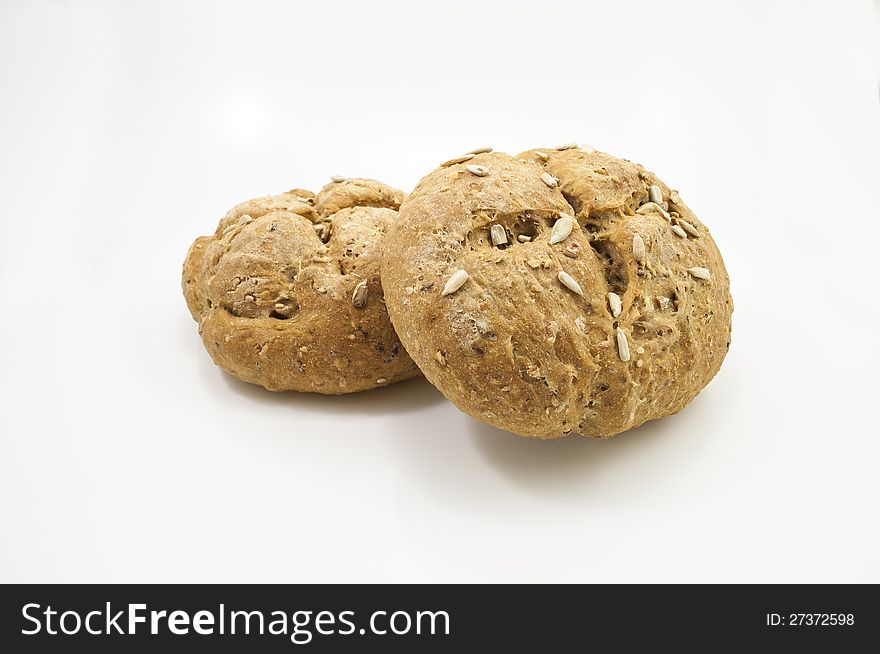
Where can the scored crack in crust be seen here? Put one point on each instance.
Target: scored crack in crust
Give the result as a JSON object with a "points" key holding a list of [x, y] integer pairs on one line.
{"points": [[560, 291], [287, 291]]}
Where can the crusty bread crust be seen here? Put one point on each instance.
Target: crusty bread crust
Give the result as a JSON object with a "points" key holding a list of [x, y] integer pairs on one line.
{"points": [[273, 290], [539, 353]]}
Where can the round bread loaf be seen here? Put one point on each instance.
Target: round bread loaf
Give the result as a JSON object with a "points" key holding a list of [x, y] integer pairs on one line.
{"points": [[560, 291], [287, 291]]}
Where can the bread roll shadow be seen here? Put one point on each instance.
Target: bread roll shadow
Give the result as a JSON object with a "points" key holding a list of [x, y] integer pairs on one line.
{"points": [[406, 396], [558, 466]]}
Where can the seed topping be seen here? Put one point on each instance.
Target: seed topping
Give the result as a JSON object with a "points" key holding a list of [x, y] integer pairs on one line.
{"points": [[549, 180], [455, 282], [569, 282], [561, 228], [699, 273], [648, 207], [690, 229], [655, 194], [458, 160], [498, 235], [622, 345], [479, 171], [614, 304], [639, 251], [359, 297]]}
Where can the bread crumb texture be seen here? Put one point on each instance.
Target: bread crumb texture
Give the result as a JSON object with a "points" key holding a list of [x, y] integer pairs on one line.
{"points": [[594, 326], [287, 291]]}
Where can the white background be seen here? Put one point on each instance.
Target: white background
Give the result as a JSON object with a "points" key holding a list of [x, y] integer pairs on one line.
{"points": [[127, 129]]}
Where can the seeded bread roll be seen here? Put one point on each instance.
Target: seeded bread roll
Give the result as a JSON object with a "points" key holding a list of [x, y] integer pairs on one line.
{"points": [[561, 291], [287, 292]]}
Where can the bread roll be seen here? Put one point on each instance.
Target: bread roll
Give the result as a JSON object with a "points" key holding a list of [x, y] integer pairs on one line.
{"points": [[560, 291], [287, 291]]}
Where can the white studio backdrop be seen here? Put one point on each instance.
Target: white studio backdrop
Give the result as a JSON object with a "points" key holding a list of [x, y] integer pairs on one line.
{"points": [[129, 128]]}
